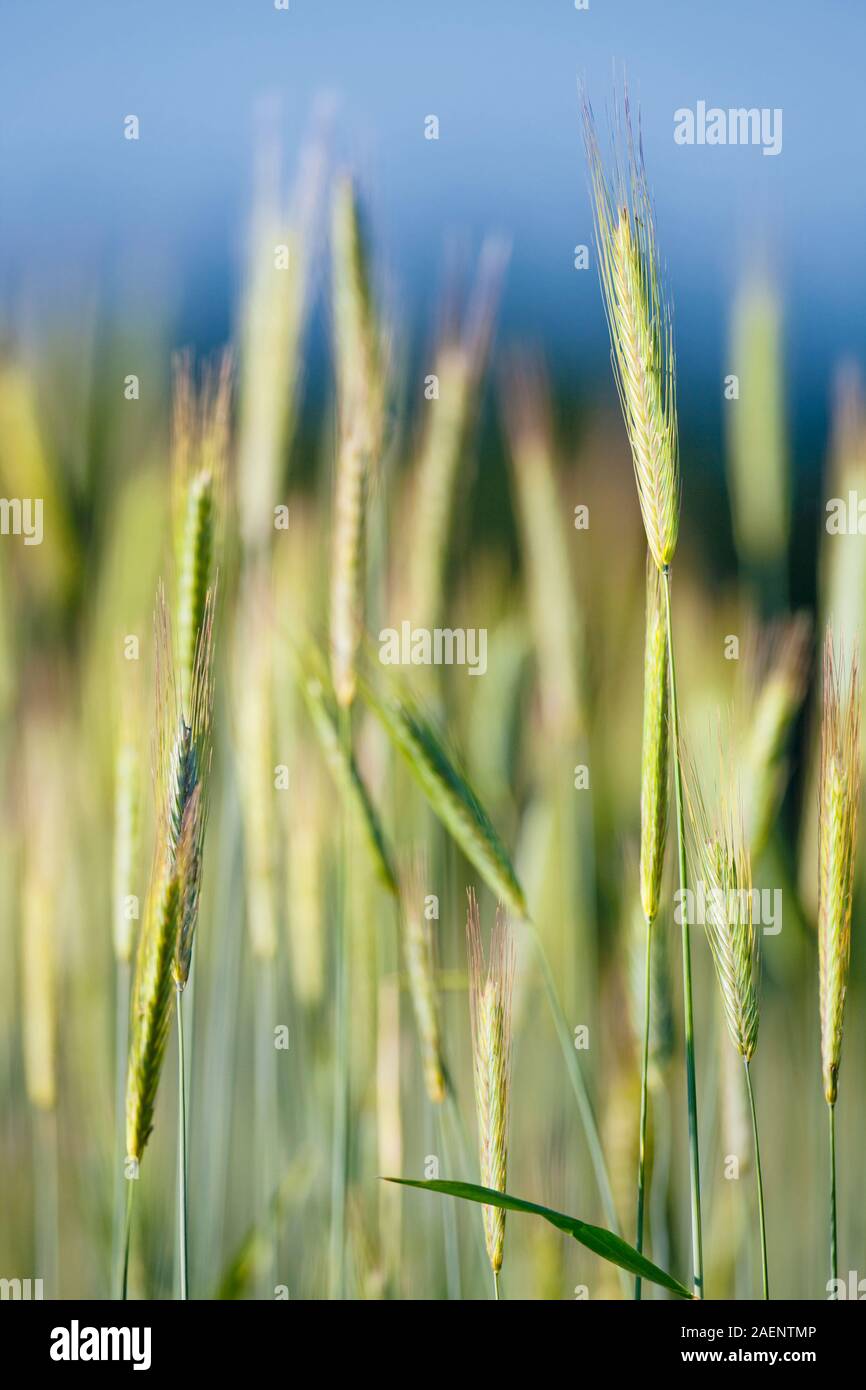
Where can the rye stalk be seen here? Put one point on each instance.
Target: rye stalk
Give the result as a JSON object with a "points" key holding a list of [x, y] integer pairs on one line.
{"points": [[643, 359]]}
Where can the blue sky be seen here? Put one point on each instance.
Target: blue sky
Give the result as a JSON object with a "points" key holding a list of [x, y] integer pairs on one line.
{"points": [[82, 206]]}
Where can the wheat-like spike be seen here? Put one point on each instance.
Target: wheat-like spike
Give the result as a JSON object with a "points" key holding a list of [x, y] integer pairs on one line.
{"points": [[839, 801], [182, 752], [640, 330], [358, 339], [199, 453], [780, 666], [490, 991], [654, 750], [152, 997], [421, 971], [557, 620], [461, 358], [449, 793], [193, 778], [723, 856], [273, 313], [360, 398], [361, 392], [759, 475], [188, 861], [346, 567]]}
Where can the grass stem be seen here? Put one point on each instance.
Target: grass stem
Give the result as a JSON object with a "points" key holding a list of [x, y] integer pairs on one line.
{"points": [[834, 1262], [340, 1152], [47, 1186], [644, 1074], [121, 1053], [266, 1125], [182, 1223], [449, 1218], [124, 1279], [688, 1014], [759, 1177], [584, 1104]]}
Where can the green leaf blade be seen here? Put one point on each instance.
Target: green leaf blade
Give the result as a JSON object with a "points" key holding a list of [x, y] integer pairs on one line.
{"points": [[595, 1238]]}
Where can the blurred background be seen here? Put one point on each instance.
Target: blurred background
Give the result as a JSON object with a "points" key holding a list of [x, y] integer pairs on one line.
{"points": [[117, 253]]}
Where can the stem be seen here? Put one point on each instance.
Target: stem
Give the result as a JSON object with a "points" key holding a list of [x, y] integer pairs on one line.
{"points": [[181, 1154], [688, 1019], [47, 1218], [340, 1153], [124, 1279], [209, 1198], [121, 1045], [464, 1164], [266, 1125], [661, 1174], [449, 1219], [759, 1178], [834, 1263], [644, 1072], [584, 1104], [496, 1284]]}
